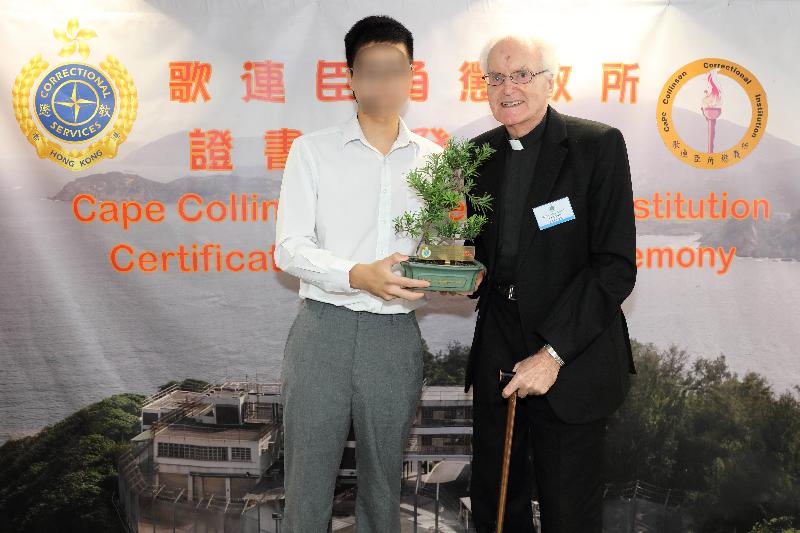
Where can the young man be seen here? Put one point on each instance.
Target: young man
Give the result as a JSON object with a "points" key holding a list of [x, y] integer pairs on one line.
{"points": [[354, 349]]}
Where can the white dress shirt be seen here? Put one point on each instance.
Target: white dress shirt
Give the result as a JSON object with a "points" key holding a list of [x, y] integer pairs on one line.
{"points": [[339, 197]]}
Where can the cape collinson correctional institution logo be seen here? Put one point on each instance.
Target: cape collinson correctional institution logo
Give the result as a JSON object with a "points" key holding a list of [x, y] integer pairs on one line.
{"points": [[711, 107], [89, 109]]}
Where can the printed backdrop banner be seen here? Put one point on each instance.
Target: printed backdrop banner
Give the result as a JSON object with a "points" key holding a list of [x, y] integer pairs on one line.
{"points": [[143, 145]]}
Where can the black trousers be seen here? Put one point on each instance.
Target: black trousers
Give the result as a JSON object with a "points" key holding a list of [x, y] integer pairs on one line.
{"points": [[556, 463]]}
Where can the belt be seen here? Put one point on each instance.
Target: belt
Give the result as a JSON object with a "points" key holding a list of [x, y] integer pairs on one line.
{"points": [[506, 289]]}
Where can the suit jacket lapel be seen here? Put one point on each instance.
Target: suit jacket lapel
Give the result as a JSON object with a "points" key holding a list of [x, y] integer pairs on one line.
{"points": [[548, 166]]}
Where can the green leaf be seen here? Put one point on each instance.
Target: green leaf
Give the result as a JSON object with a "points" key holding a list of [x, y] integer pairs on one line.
{"points": [[442, 182]]}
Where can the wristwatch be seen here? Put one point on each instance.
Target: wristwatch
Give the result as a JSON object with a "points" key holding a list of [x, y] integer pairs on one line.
{"points": [[552, 352]]}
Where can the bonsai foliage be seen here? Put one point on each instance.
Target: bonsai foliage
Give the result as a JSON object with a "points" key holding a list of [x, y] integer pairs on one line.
{"points": [[442, 183]]}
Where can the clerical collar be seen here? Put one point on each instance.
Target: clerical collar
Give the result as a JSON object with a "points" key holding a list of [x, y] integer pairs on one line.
{"points": [[529, 138]]}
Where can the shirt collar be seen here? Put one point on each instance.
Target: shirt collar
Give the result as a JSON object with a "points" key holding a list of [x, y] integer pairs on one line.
{"points": [[351, 130], [527, 140]]}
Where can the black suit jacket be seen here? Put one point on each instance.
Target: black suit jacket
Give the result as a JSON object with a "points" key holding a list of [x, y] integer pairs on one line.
{"points": [[573, 277]]}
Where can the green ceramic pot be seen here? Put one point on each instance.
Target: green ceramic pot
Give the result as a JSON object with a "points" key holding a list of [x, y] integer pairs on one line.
{"points": [[455, 278]]}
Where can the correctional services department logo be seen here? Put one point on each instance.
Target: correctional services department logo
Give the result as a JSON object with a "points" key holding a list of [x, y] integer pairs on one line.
{"points": [[711, 147], [74, 113]]}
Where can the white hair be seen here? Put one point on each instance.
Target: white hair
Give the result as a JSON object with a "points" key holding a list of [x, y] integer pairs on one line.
{"points": [[547, 49]]}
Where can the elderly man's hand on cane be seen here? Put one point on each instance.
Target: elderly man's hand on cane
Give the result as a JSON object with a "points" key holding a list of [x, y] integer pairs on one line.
{"points": [[534, 375]]}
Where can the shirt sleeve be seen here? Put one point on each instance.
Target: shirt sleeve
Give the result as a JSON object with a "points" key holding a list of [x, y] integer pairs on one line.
{"points": [[297, 249]]}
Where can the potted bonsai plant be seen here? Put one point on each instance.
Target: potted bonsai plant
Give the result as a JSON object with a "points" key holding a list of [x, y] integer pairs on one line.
{"points": [[442, 184]]}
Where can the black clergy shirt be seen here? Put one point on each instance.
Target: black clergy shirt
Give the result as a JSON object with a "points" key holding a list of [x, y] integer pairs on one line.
{"points": [[520, 162]]}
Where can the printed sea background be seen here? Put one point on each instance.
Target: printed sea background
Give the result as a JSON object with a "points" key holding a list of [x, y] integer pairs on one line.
{"points": [[75, 331]]}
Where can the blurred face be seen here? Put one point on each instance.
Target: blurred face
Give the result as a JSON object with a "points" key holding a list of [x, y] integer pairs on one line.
{"points": [[381, 77], [519, 106]]}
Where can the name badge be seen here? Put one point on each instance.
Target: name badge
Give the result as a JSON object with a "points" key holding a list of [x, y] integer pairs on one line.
{"points": [[554, 213]]}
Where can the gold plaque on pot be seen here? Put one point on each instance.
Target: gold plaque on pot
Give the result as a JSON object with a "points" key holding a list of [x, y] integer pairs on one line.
{"points": [[447, 252]]}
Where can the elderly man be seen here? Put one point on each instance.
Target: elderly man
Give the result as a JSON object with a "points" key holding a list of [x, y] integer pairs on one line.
{"points": [[560, 254]]}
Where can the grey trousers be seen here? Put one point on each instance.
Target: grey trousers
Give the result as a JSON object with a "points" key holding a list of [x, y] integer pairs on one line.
{"points": [[339, 364]]}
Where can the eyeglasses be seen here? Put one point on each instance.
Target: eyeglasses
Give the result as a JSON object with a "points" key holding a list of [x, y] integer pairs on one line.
{"points": [[371, 74], [520, 76]]}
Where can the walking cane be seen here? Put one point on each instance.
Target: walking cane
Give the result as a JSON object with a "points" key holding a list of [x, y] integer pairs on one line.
{"points": [[505, 378]]}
